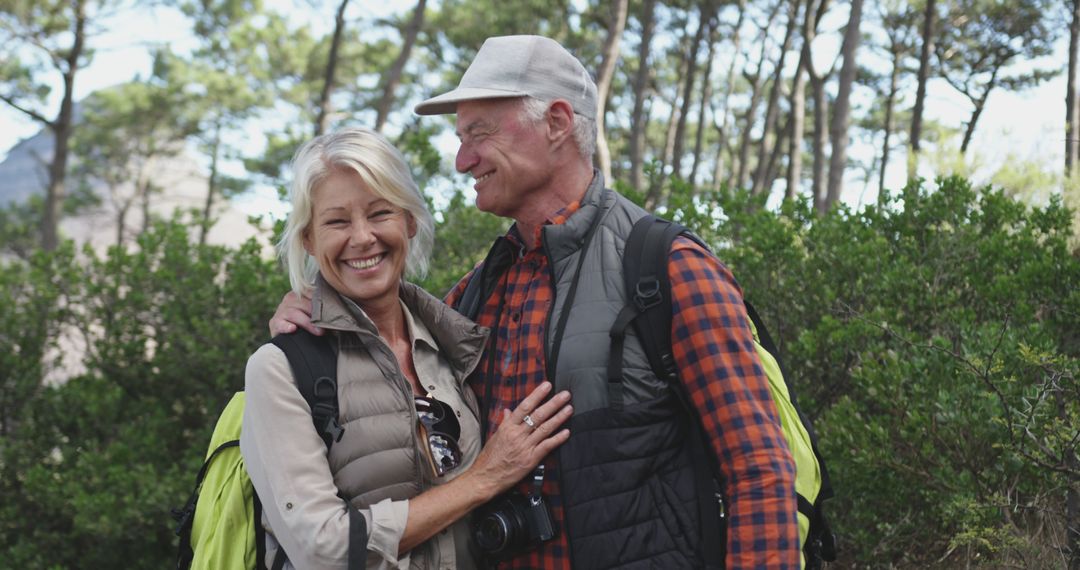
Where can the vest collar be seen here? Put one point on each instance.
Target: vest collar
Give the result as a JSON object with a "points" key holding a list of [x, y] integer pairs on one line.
{"points": [[562, 240], [458, 338]]}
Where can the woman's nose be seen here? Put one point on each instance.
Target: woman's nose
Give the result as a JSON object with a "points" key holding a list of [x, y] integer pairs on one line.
{"points": [[361, 233]]}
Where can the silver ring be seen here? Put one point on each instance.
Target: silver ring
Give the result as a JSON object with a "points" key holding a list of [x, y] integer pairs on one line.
{"points": [[528, 421]]}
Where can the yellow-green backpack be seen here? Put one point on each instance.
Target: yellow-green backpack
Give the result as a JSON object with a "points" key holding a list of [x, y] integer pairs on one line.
{"points": [[649, 309], [220, 526]]}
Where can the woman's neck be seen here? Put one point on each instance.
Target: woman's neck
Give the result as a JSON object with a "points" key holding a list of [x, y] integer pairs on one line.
{"points": [[389, 319]]}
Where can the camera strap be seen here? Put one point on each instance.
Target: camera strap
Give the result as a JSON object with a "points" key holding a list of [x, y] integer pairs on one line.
{"points": [[536, 496], [493, 356]]}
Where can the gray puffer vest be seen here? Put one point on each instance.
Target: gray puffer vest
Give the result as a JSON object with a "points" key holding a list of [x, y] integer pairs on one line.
{"points": [[378, 456], [626, 474], [372, 389]]}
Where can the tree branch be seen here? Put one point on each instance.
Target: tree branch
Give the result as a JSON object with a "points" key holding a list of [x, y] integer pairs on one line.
{"points": [[28, 112]]}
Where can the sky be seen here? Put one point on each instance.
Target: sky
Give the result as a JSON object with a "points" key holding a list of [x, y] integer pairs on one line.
{"points": [[1014, 126]]}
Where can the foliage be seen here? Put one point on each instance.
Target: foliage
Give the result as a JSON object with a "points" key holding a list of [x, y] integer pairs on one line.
{"points": [[933, 338], [462, 239], [91, 466], [934, 341]]}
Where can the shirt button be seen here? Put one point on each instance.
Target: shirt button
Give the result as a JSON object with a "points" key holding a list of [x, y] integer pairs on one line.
{"points": [[288, 506], [431, 387], [515, 317]]}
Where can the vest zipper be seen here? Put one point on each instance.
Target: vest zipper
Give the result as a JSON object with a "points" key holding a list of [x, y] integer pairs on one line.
{"points": [[414, 417], [547, 355]]}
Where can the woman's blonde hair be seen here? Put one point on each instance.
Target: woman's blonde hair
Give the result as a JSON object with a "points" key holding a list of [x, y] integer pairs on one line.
{"points": [[383, 170]]}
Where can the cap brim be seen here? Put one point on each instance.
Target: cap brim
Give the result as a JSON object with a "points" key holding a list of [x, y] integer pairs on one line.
{"points": [[446, 104]]}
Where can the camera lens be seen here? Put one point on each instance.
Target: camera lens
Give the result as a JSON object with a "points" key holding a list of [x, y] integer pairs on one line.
{"points": [[493, 533]]}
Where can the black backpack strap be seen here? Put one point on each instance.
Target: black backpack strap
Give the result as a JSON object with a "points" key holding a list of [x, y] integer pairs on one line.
{"points": [[314, 364], [357, 539], [653, 326], [768, 344], [648, 289], [646, 284], [485, 278], [260, 532], [185, 516]]}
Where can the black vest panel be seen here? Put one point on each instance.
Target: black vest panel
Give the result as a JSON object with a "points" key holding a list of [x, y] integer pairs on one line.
{"points": [[628, 483]]}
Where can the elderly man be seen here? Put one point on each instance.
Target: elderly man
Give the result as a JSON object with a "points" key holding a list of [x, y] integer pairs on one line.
{"points": [[625, 490]]}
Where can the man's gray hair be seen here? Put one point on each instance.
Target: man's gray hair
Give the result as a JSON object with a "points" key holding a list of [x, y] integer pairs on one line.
{"points": [[584, 128]]}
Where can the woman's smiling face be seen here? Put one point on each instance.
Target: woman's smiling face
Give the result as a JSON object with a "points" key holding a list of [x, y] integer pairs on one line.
{"points": [[359, 239]]}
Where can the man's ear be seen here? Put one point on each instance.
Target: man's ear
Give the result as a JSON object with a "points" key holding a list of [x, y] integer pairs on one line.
{"points": [[560, 120]]}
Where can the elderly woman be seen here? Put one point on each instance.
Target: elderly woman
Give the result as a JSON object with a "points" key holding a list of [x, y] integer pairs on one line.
{"points": [[358, 225]]}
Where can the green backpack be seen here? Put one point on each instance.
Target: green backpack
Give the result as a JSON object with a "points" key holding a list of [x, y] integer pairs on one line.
{"points": [[649, 309], [220, 526]]}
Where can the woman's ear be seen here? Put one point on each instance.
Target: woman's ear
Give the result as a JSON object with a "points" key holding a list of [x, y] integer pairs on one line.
{"points": [[305, 237], [411, 224]]}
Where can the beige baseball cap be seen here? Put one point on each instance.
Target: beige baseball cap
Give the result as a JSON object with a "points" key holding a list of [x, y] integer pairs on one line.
{"points": [[519, 66]]}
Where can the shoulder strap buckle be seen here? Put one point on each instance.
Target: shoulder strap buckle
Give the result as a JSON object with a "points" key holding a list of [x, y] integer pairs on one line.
{"points": [[647, 294]]}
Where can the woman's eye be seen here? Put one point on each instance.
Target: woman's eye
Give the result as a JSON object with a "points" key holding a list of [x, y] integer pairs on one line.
{"points": [[381, 213], [335, 222]]}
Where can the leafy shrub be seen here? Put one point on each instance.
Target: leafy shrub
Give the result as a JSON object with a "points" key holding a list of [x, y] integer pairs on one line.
{"points": [[933, 340]]}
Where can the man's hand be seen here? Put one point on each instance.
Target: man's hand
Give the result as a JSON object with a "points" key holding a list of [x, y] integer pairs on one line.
{"points": [[294, 311]]}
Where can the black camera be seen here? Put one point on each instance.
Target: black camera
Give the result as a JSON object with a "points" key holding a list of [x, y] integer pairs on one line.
{"points": [[513, 523]]}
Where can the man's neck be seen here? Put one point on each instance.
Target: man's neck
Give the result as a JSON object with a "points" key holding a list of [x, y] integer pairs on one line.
{"points": [[568, 188]]}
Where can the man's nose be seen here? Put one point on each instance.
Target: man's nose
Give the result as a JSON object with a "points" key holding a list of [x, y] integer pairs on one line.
{"points": [[466, 158]]}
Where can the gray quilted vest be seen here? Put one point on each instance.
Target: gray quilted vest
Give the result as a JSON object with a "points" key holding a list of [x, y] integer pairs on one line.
{"points": [[626, 475]]}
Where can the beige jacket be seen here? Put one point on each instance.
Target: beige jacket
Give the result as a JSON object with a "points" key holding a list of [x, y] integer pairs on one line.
{"points": [[378, 464]]}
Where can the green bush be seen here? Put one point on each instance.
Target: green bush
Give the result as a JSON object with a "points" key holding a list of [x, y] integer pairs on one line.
{"points": [[934, 341], [92, 466]]}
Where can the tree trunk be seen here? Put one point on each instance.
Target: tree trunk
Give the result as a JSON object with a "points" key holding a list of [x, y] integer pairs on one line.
{"points": [[795, 139], [772, 165], [841, 118], [61, 128], [980, 104], [641, 86], [890, 102], [652, 198], [704, 16], [603, 82], [144, 204], [821, 140], [815, 9], [772, 107], [121, 223], [929, 16], [1072, 100], [322, 119], [742, 173], [703, 103], [211, 184], [1072, 519], [393, 76], [722, 130]]}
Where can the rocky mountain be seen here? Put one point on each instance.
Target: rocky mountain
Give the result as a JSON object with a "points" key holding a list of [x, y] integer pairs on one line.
{"points": [[181, 179]]}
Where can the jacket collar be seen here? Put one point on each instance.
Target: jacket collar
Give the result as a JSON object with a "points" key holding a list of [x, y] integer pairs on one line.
{"points": [[563, 239], [458, 338]]}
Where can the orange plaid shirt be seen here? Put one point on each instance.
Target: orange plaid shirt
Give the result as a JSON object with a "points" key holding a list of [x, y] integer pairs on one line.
{"points": [[714, 351]]}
